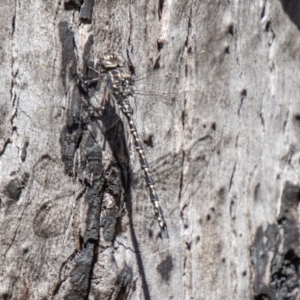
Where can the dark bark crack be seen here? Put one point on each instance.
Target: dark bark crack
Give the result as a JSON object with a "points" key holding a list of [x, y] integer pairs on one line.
{"points": [[7, 141], [127, 248], [161, 4], [60, 282], [231, 177], [263, 11], [243, 97], [16, 232]]}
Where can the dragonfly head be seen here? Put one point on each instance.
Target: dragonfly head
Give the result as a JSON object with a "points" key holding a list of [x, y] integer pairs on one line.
{"points": [[111, 61]]}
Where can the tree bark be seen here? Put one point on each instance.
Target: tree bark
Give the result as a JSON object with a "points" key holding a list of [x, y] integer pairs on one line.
{"points": [[216, 106]]}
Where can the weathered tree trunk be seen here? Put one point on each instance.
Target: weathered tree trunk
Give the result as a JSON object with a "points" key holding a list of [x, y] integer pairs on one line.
{"points": [[220, 128]]}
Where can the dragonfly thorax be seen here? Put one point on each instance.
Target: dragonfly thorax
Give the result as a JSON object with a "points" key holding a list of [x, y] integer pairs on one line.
{"points": [[120, 83]]}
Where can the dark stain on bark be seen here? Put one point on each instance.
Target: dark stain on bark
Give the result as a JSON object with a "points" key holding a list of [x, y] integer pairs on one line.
{"points": [[160, 8], [82, 157], [257, 192], [84, 6], [66, 36], [277, 248], [292, 9], [49, 221], [288, 212], [5, 296], [222, 195], [110, 216], [13, 188], [24, 151], [75, 135], [71, 133], [86, 10], [4, 115], [80, 276], [89, 171], [123, 282], [165, 268], [262, 297], [93, 172], [72, 4]]}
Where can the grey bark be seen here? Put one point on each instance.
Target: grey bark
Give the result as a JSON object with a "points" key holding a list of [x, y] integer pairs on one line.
{"points": [[220, 126]]}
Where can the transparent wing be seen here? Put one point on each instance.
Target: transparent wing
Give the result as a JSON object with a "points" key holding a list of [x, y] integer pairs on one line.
{"points": [[158, 87]]}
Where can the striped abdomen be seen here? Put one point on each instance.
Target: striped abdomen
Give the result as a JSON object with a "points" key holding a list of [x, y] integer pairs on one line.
{"points": [[127, 111]]}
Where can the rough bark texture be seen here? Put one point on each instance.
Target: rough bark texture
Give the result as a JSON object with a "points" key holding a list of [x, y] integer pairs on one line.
{"points": [[220, 125]]}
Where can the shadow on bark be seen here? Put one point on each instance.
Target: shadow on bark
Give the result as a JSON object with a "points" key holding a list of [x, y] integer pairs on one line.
{"points": [[117, 142], [137, 250], [292, 9]]}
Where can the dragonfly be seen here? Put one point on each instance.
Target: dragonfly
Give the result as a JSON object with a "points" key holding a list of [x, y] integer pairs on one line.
{"points": [[121, 86]]}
